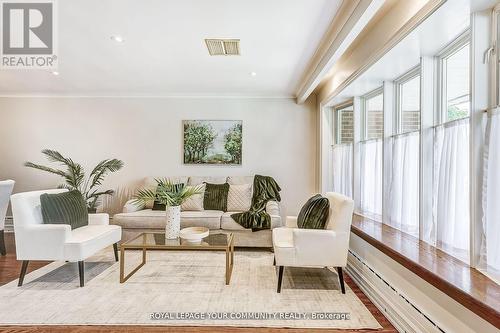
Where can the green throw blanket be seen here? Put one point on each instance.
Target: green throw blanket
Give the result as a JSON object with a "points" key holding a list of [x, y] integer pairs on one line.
{"points": [[265, 189]]}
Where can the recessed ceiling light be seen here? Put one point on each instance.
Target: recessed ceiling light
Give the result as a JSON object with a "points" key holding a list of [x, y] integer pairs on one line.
{"points": [[118, 39], [253, 73], [55, 73]]}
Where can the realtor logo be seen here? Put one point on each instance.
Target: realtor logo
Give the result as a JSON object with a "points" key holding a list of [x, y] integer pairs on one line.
{"points": [[28, 35]]}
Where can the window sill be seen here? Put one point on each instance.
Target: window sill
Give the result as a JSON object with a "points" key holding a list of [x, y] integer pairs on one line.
{"points": [[465, 285]]}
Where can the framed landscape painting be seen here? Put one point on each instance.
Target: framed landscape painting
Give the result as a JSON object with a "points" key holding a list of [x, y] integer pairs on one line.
{"points": [[213, 141]]}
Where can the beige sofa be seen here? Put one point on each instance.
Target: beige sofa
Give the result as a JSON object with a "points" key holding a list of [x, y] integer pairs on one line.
{"points": [[135, 219]]}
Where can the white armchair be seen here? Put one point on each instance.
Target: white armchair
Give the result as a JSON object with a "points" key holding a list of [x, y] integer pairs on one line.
{"points": [[38, 241], [295, 247], [6, 187]]}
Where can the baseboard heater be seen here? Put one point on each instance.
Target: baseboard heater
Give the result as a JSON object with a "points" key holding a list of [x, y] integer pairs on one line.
{"points": [[9, 224], [398, 309]]}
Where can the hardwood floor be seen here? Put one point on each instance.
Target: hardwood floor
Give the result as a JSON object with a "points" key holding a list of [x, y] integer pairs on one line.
{"points": [[10, 267]]}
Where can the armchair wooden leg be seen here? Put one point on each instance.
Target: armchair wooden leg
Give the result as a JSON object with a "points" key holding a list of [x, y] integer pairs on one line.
{"points": [[24, 267], [81, 271], [341, 279], [115, 249], [280, 277], [274, 261], [2, 244]]}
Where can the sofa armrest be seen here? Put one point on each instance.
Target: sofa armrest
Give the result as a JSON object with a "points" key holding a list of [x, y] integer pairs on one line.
{"points": [[321, 247], [42, 241], [291, 222], [131, 206], [99, 219], [273, 208]]}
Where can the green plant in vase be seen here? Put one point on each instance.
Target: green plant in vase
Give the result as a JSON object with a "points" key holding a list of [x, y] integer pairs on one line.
{"points": [[172, 196]]}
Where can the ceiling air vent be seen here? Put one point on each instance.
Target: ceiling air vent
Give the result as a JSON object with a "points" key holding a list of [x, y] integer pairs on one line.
{"points": [[223, 47]]}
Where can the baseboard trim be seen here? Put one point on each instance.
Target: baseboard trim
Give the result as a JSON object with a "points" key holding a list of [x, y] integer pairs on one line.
{"points": [[398, 309]]}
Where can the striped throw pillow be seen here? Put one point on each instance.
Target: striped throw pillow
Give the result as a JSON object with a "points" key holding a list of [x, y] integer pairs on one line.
{"points": [[314, 213], [215, 197], [64, 208]]}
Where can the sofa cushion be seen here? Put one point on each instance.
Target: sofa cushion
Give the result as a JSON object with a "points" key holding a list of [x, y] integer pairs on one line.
{"points": [[194, 203], [156, 219], [197, 180], [239, 180], [87, 240], [64, 208], [215, 197], [239, 197], [206, 218], [227, 222], [150, 182]]}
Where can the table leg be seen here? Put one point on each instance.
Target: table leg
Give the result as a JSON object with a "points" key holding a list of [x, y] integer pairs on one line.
{"points": [[229, 261], [122, 261]]}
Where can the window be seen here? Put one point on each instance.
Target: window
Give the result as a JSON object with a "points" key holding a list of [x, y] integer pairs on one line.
{"points": [[344, 124], [373, 115], [455, 83], [451, 201], [404, 148], [408, 105], [371, 149], [343, 149], [490, 246]]}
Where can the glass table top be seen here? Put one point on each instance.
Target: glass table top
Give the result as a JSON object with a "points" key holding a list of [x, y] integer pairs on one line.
{"points": [[158, 240]]}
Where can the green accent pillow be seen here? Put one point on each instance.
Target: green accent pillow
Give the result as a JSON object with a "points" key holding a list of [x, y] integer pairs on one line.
{"points": [[215, 197], [64, 208], [314, 214], [176, 188]]}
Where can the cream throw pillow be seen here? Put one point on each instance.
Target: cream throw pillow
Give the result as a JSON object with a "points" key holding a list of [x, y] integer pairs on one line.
{"points": [[239, 198], [194, 203]]}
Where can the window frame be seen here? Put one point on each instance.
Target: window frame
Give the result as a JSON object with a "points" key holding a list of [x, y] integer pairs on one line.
{"points": [[446, 52], [440, 120], [398, 86], [494, 54], [337, 122], [364, 113]]}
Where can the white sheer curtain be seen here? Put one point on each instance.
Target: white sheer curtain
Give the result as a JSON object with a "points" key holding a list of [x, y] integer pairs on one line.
{"points": [[342, 169], [403, 201], [490, 255], [451, 188], [371, 178]]}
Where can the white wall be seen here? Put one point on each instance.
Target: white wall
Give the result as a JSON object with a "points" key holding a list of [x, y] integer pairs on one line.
{"points": [[146, 133]]}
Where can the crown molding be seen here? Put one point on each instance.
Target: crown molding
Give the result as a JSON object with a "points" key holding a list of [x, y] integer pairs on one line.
{"points": [[428, 9], [166, 96], [351, 18]]}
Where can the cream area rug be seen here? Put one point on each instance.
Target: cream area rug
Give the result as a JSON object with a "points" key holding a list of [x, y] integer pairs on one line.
{"points": [[183, 288]]}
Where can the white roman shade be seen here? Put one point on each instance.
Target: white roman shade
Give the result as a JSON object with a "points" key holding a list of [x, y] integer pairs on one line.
{"points": [[371, 178], [403, 201], [342, 169], [490, 254], [451, 188]]}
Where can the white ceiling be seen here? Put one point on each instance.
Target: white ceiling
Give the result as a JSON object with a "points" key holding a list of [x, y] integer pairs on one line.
{"points": [[164, 52]]}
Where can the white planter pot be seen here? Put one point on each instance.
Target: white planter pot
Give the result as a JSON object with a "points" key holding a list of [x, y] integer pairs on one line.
{"points": [[173, 225]]}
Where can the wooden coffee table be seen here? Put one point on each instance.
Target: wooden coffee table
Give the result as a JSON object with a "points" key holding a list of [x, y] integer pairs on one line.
{"points": [[148, 241]]}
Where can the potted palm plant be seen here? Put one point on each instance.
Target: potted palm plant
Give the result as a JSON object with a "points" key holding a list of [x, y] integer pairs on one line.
{"points": [[75, 179], [172, 196]]}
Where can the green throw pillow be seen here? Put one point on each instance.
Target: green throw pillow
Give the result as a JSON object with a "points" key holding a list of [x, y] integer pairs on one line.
{"points": [[314, 214], [215, 197], [176, 188], [64, 208]]}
